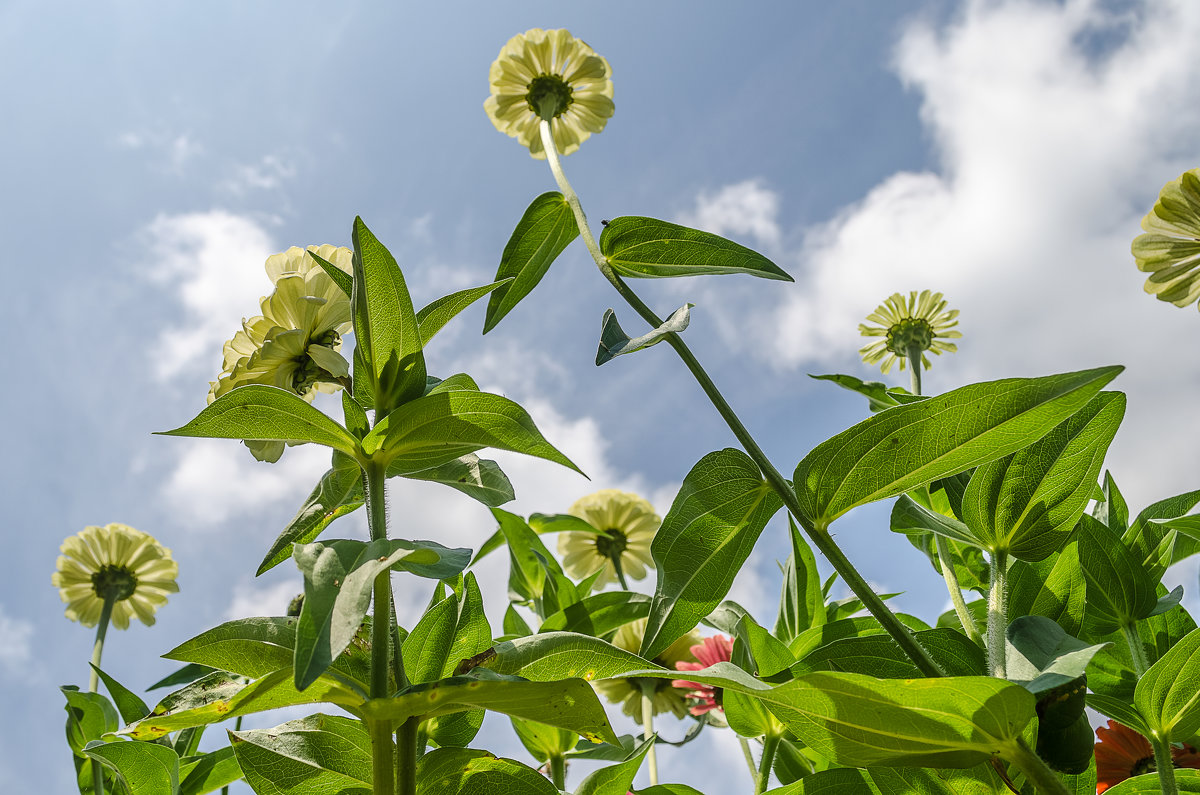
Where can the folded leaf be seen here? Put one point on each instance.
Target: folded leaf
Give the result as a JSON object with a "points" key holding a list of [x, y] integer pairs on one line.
{"points": [[615, 342]]}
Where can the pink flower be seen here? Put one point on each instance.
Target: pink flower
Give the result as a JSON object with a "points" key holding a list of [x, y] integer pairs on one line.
{"points": [[715, 649]]}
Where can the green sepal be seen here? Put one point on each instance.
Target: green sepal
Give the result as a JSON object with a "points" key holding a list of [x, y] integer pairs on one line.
{"points": [[646, 247]]}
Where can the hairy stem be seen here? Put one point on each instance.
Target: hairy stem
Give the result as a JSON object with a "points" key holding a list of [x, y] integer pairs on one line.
{"points": [[383, 750], [1165, 766], [946, 562], [406, 756], [819, 536], [749, 757], [770, 744], [648, 726], [558, 771], [997, 617], [1036, 771], [1136, 649]]}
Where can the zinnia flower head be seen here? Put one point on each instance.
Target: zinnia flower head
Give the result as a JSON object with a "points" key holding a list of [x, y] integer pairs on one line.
{"points": [[293, 344], [1170, 249], [628, 692], [712, 650], [1123, 753], [115, 560], [921, 321], [625, 525], [551, 75]]}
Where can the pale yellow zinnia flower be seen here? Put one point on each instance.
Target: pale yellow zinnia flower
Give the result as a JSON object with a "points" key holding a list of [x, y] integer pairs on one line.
{"points": [[628, 692], [625, 525], [549, 74], [118, 561], [1170, 249], [920, 322]]}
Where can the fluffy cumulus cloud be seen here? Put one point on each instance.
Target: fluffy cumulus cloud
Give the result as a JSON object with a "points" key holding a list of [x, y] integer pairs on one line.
{"points": [[1049, 154], [213, 263], [745, 209]]}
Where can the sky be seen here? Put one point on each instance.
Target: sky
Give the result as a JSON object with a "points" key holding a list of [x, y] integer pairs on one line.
{"points": [[1000, 152]]}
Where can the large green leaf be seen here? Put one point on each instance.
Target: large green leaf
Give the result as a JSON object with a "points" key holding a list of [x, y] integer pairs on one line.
{"points": [[1119, 589], [1146, 534], [895, 781], [441, 427], [467, 771], [566, 703], [1054, 588], [879, 395], [144, 768], [389, 365], [89, 717], [222, 695], [910, 517], [905, 447], [615, 779], [646, 247], [480, 479], [338, 493], [880, 656], [1187, 782], [1042, 657], [450, 631], [266, 413], [129, 704], [528, 558], [251, 647], [1027, 503], [208, 772], [801, 601], [546, 228], [558, 655], [599, 614], [1168, 696], [706, 536], [338, 581], [432, 318], [316, 754]]}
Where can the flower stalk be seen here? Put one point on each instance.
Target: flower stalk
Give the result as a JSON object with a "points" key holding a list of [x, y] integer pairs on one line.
{"points": [[383, 751], [770, 745], [647, 686], [1164, 764], [819, 536], [110, 599], [946, 562], [997, 617]]}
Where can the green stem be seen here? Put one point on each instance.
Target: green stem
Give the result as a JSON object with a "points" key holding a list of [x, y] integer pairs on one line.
{"points": [[406, 756], [616, 561], [914, 364], [1136, 650], [749, 757], [946, 561], [997, 616], [648, 726], [1165, 766], [383, 750], [819, 536], [770, 743], [1036, 771], [237, 727], [558, 771], [106, 609]]}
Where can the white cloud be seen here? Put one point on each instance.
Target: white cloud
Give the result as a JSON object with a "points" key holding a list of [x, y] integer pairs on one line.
{"points": [[269, 173], [177, 150], [1049, 153], [746, 208], [213, 262], [16, 650], [217, 479], [269, 600]]}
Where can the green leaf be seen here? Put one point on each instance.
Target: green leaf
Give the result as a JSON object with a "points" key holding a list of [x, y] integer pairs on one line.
{"points": [[615, 342], [1054, 588], [222, 695], [343, 280], [760, 653], [144, 768], [909, 517], [338, 493], [514, 624], [1042, 657], [319, 753], [441, 427], [432, 318], [1112, 511], [879, 395], [542, 741], [645, 247], [467, 771], [473, 634], [558, 655], [1147, 534], [266, 413], [880, 656], [615, 779], [902, 448], [567, 703], [338, 580], [1119, 590], [546, 228], [428, 644], [801, 603], [89, 717], [480, 479], [387, 338], [599, 614], [185, 675], [129, 704], [1187, 782], [706, 536], [1168, 696], [1027, 503], [250, 647], [208, 772], [896, 781], [1120, 710]]}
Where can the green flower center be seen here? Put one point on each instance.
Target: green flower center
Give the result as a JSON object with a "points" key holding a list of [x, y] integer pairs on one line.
{"points": [[549, 96], [117, 581], [611, 543], [912, 332], [308, 372]]}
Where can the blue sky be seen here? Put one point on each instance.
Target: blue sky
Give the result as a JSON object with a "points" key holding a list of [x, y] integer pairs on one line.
{"points": [[1000, 152]]}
